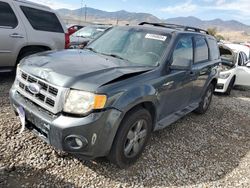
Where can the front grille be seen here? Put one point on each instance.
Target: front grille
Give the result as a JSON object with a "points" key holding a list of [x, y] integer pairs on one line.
{"points": [[53, 90], [50, 102], [49, 97]]}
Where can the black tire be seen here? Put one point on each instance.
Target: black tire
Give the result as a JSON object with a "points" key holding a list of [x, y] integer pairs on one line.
{"points": [[230, 86], [122, 153], [206, 100]]}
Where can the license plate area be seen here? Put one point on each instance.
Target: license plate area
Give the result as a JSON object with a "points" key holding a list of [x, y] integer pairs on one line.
{"points": [[35, 124], [21, 115]]}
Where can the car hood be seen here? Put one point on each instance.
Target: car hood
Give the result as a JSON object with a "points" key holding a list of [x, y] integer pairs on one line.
{"points": [[228, 56], [79, 69]]}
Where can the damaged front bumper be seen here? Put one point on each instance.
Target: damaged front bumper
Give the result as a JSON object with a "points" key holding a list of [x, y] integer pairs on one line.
{"points": [[91, 136]]}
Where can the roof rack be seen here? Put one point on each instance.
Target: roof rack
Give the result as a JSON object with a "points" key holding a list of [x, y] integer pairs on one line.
{"points": [[175, 26]]}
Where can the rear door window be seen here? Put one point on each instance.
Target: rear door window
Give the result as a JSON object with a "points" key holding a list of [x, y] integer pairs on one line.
{"points": [[7, 16], [201, 50], [42, 20]]}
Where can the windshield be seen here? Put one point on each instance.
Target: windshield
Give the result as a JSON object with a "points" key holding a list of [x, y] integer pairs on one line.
{"points": [[135, 45], [89, 32]]}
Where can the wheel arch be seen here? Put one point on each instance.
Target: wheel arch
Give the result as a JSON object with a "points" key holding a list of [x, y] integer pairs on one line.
{"points": [[25, 49]]}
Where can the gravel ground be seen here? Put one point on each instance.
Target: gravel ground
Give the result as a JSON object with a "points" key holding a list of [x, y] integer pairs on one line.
{"points": [[212, 150]]}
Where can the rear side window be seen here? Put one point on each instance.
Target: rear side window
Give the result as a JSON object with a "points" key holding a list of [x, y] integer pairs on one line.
{"points": [[201, 50], [214, 49], [42, 20], [7, 16]]}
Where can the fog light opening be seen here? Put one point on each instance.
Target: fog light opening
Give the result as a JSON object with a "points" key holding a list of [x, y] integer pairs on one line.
{"points": [[76, 142]]}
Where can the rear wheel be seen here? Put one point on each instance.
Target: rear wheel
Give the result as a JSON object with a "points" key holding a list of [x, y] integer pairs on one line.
{"points": [[206, 100], [131, 138]]}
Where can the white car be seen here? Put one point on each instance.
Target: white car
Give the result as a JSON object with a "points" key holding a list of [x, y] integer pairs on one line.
{"points": [[235, 69]]}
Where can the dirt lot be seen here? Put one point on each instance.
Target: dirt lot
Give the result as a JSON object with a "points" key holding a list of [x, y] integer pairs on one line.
{"points": [[212, 150]]}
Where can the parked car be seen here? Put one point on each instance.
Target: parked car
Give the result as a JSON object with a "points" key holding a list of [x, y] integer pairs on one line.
{"points": [[27, 28], [106, 100], [81, 38], [235, 69], [74, 28]]}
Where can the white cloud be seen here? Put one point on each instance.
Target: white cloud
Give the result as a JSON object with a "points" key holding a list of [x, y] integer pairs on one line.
{"points": [[186, 7], [220, 2], [241, 6], [56, 4]]}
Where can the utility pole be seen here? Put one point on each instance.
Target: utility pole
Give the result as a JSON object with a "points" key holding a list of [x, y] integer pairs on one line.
{"points": [[81, 12], [85, 13], [117, 21]]}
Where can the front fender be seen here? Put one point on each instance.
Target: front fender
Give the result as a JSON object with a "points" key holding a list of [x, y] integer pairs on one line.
{"points": [[134, 96]]}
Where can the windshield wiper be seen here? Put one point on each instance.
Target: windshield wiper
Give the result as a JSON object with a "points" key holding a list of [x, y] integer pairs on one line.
{"points": [[91, 49], [115, 56], [80, 36]]}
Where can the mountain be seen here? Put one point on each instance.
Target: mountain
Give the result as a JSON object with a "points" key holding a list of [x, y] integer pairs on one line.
{"points": [[221, 25], [134, 18], [122, 15]]}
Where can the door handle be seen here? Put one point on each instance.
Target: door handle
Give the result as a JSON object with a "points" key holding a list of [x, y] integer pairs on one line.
{"points": [[16, 35], [168, 84]]}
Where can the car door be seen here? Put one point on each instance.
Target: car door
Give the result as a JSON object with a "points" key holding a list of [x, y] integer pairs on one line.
{"points": [[12, 34], [176, 86], [201, 67], [242, 71]]}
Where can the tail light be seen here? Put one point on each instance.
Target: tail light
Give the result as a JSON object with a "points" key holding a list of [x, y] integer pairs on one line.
{"points": [[67, 40]]}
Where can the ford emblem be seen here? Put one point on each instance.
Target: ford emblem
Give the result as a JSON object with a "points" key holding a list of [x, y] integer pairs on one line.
{"points": [[34, 88]]}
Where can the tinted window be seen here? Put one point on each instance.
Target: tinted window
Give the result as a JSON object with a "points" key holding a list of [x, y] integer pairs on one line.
{"points": [[201, 50], [42, 20], [183, 51], [242, 59], [7, 16], [214, 50]]}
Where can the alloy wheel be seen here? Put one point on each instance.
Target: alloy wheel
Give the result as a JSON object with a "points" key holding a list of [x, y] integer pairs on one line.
{"points": [[135, 138]]}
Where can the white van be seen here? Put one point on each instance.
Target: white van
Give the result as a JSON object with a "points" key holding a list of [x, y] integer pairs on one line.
{"points": [[27, 28]]}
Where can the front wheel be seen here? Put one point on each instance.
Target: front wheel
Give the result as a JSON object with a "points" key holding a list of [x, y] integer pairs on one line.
{"points": [[131, 138], [206, 100]]}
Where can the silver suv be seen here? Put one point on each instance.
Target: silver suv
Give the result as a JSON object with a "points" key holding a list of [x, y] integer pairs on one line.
{"points": [[27, 28]]}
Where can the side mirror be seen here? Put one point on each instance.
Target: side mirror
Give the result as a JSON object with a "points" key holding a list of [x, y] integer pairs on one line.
{"points": [[181, 64]]}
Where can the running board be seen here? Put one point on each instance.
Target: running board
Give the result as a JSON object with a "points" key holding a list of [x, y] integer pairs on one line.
{"points": [[176, 116]]}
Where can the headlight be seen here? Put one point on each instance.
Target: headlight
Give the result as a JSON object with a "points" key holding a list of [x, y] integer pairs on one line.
{"points": [[81, 102], [224, 75]]}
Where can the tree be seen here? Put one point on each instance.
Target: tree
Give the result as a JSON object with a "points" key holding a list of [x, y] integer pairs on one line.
{"points": [[213, 31], [220, 37]]}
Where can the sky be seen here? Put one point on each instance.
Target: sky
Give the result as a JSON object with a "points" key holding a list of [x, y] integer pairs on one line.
{"points": [[203, 9]]}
